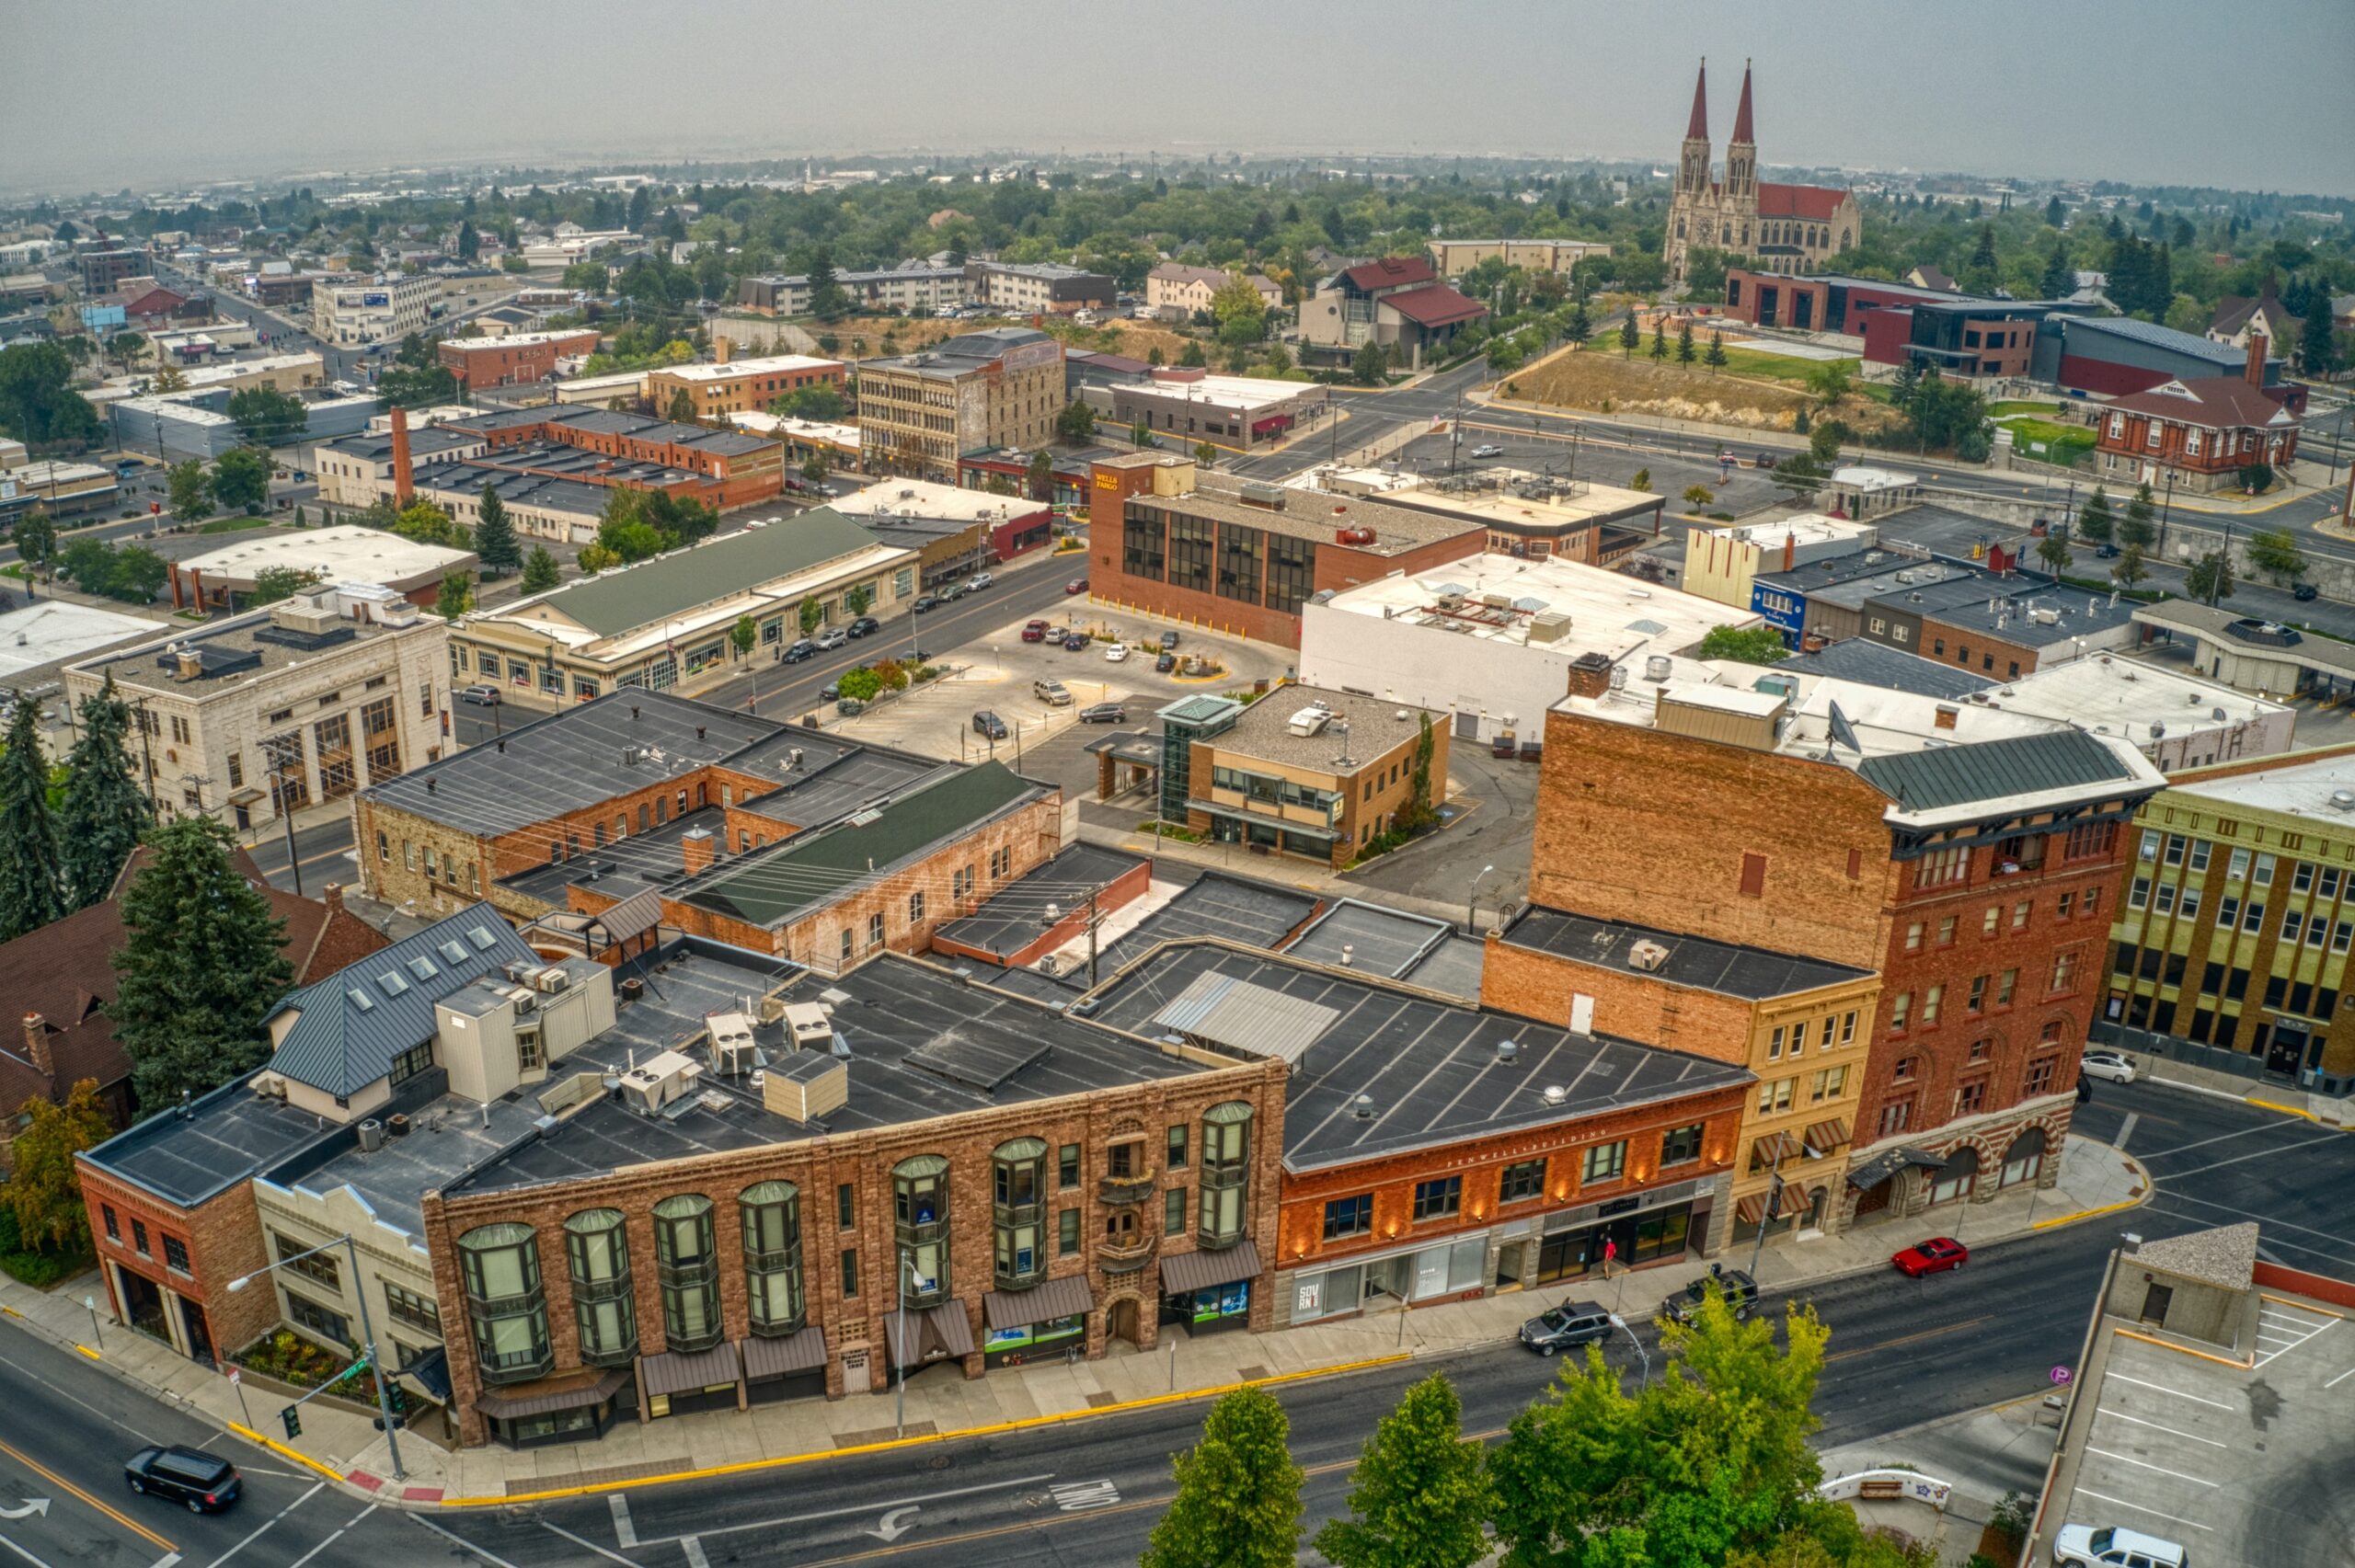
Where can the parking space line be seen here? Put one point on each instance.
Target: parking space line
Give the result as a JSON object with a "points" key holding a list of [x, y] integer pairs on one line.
{"points": [[2145, 1464], [694, 1549], [591, 1545], [2220, 1138], [2120, 1415], [2339, 1380], [625, 1533], [2122, 1502], [2314, 1332], [2122, 1378], [2239, 1159]]}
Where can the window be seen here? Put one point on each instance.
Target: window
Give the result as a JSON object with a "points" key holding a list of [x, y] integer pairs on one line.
{"points": [[596, 1251], [2064, 971], [1901, 1007], [1176, 1147], [506, 1308], [113, 1235], [1988, 920], [1068, 1165], [1173, 1212], [687, 1269], [2263, 876], [1907, 1068], [412, 1061], [2186, 906], [1775, 1045], [409, 1307], [2252, 916], [1942, 867], [850, 1273], [771, 1215], [2174, 854], [1978, 995], [2228, 912], [2201, 849], [1848, 1027], [1066, 1233], [1437, 1199], [1680, 1145], [1970, 1098], [318, 1267], [2161, 900], [2292, 927], [1019, 1174], [139, 1237], [2069, 902], [2004, 988], [2339, 935], [306, 1313], [1945, 932], [2019, 914], [176, 1255], [875, 929], [1604, 1163], [2040, 1077], [1896, 1117], [1828, 1085], [1775, 1096], [2301, 876], [1913, 937], [1225, 1173], [845, 1207], [920, 1218], [915, 909], [1930, 1000], [1346, 1216]]}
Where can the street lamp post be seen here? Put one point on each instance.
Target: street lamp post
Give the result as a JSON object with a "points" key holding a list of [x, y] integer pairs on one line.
{"points": [[1773, 1201], [1471, 902], [367, 1338], [899, 1408]]}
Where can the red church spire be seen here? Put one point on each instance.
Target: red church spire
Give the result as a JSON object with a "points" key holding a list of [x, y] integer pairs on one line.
{"points": [[1698, 129], [1741, 115]]}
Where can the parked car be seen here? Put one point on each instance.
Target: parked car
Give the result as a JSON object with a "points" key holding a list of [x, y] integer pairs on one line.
{"points": [[1034, 632], [2107, 553], [2081, 1546], [1116, 654], [484, 696], [831, 638], [830, 690], [863, 625], [1487, 451], [206, 1482], [1936, 1255], [1050, 691], [2113, 1067], [802, 650], [925, 602], [1077, 642], [1566, 1327], [1076, 585], [1104, 713], [2305, 592], [989, 726], [1170, 639], [978, 581], [1165, 663], [1741, 1292]]}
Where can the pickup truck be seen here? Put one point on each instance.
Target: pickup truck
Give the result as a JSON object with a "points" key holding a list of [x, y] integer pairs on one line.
{"points": [[1740, 1290]]}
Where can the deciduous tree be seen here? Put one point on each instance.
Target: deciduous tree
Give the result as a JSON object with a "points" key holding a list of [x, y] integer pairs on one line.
{"points": [[1744, 645], [267, 417], [2275, 550], [1238, 1492], [1419, 1495], [272, 584], [2054, 551], [240, 480], [2209, 578], [44, 1188], [191, 494], [457, 596], [745, 635]]}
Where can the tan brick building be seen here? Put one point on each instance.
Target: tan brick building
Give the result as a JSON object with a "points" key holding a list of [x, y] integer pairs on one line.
{"points": [[919, 413], [738, 386]]}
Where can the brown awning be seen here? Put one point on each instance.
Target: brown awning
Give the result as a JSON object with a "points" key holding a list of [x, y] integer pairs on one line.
{"points": [[932, 1333], [1188, 1272], [1795, 1201], [1753, 1208], [567, 1392], [802, 1352], [634, 916], [675, 1372], [1761, 1153], [1825, 1137], [1066, 1297]]}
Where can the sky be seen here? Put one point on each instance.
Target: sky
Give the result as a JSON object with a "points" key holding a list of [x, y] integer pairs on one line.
{"points": [[2144, 91]]}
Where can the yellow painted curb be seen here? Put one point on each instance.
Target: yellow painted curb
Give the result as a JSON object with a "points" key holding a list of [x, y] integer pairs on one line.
{"points": [[91, 1353], [2085, 1214], [2185, 1350], [2285, 1110], [748, 1467], [283, 1452], [2285, 1302]]}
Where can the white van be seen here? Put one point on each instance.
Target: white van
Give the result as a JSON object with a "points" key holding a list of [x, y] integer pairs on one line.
{"points": [[2082, 1546]]}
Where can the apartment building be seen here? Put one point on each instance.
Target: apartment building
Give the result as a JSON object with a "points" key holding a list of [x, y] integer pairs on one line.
{"points": [[919, 413], [1038, 288], [1454, 257], [307, 701], [911, 288], [351, 312]]}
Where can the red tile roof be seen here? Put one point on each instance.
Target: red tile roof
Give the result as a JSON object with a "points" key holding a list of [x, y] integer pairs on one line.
{"points": [[1390, 272], [1816, 203], [2215, 402], [1437, 306]]}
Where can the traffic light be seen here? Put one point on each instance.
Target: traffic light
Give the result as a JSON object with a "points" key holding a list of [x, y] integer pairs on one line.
{"points": [[396, 1397], [292, 1416]]}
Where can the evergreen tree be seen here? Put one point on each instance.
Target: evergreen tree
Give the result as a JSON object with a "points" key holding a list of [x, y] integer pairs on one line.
{"points": [[2093, 519], [1238, 1492], [1629, 335], [495, 540], [104, 813], [2138, 529], [1419, 1495], [31, 896], [1715, 356], [2059, 278], [198, 968], [1659, 341], [540, 571], [1684, 350], [2055, 215], [2317, 350]]}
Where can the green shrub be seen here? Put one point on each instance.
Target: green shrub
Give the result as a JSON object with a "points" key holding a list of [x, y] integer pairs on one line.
{"points": [[39, 1270]]}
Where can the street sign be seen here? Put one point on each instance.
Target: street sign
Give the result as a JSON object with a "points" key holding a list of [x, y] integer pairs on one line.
{"points": [[2061, 1374], [232, 1377]]}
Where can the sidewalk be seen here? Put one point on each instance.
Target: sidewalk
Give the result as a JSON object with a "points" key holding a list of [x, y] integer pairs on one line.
{"points": [[2095, 1179]]}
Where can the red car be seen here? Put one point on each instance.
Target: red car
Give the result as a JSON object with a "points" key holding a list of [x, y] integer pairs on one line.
{"points": [[1076, 585], [1932, 1256], [1035, 632]]}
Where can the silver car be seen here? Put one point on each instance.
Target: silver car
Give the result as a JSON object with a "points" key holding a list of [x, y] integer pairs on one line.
{"points": [[830, 638], [2112, 1066]]}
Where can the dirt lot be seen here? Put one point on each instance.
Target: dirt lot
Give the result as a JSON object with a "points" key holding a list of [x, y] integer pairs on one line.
{"points": [[1601, 378]]}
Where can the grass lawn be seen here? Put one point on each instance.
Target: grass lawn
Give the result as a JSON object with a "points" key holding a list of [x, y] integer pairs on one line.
{"points": [[1772, 367], [2062, 444], [2040, 406]]}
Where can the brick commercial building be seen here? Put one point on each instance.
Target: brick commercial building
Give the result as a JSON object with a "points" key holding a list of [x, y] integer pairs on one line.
{"points": [[740, 468], [1245, 559], [740, 386], [919, 413], [1534, 516], [955, 531], [2198, 434], [517, 359], [1975, 877], [1186, 407], [2236, 918]]}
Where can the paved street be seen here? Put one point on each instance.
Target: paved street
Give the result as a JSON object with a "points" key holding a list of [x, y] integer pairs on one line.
{"points": [[1902, 1353]]}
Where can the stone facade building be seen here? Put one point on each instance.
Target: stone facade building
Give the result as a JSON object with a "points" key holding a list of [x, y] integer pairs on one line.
{"points": [[1794, 227]]}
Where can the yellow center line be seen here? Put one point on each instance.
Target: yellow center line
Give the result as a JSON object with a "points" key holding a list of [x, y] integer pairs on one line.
{"points": [[1911, 1338], [56, 1480]]}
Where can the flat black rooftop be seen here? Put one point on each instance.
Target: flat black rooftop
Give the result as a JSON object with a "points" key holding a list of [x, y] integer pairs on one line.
{"points": [[1877, 664], [1016, 913], [921, 1044], [622, 867], [448, 1137], [1453, 967], [1369, 937], [228, 1137], [1753, 974], [823, 788], [1429, 1069], [1254, 913]]}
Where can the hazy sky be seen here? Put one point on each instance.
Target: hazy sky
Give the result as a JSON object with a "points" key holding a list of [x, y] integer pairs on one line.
{"points": [[147, 94]]}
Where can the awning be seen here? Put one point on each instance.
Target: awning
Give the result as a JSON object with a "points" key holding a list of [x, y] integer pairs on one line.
{"points": [[1066, 1297], [1795, 1201], [676, 1372], [1825, 1137], [1880, 1167], [634, 916], [801, 1352], [1763, 1152], [932, 1333], [247, 796], [1751, 1209], [1188, 1272], [550, 1395], [430, 1372]]}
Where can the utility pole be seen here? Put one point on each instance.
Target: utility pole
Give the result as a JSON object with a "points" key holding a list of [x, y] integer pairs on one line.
{"points": [[1094, 919], [147, 751], [277, 747], [1773, 1200]]}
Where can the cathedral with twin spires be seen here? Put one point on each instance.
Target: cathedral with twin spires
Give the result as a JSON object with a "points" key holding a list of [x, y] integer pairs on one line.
{"points": [[1785, 228]]}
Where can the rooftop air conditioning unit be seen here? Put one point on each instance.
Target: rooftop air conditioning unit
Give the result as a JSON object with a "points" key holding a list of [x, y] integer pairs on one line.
{"points": [[732, 1041], [658, 1081], [1309, 721], [1647, 955], [810, 1024]]}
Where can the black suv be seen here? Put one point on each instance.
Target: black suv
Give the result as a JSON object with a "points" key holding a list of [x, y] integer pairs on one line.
{"points": [[1740, 1290], [1568, 1325], [989, 726], [206, 1482]]}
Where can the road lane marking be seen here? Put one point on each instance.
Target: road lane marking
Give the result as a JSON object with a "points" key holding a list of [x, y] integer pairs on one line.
{"points": [[589, 1545], [2120, 1415], [861, 1508], [2270, 1221], [2145, 1464], [1079, 1496], [125, 1520], [694, 1549], [2260, 1154], [2220, 1138], [25, 1372], [20, 1551], [461, 1543], [625, 1535], [2126, 1129], [266, 1525], [2140, 1509], [332, 1540], [1912, 1338]]}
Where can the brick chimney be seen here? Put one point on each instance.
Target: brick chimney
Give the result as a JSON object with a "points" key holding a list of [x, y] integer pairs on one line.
{"points": [[2254, 371], [36, 1045], [1590, 675], [404, 486], [332, 896], [1790, 550], [696, 849], [720, 348]]}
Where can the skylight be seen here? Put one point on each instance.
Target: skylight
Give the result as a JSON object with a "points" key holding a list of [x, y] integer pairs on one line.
{"points": [[391, 984], [361, 1000]]}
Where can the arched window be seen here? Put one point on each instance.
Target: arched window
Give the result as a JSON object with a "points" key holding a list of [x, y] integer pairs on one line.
{"points": [[1956, 1177], [506, 1307], [597, 1253], [2024, 1161], [690, 1275]]}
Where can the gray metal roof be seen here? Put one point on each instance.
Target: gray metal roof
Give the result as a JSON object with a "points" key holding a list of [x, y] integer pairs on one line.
{"points": [[1016, 914], [671, 585], [352, 1025], [1991, 770], [1877, 664], [1235, 1014], [2224, 355]]}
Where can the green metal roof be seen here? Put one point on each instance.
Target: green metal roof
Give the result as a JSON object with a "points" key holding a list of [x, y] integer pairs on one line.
{"points": [[1991, 770], [770, 887], [671, 585]]}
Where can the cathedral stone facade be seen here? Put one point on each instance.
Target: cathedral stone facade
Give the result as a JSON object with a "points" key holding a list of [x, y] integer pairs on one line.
{"points": [[1790, 228]]}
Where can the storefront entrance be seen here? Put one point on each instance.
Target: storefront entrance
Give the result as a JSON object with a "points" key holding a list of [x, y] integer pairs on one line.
{"points": [[1629, 1241], [1121, 1320], [1210, 1310], [142, 1304], [199, 1332]]}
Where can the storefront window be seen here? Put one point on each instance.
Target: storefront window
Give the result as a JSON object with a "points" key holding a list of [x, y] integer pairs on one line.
{"points": [[1018, 1171], [689, 1272], [772, 1216], [505, 1306], [598, 1252], [1018, 1343], [1225, 1173], [920, 1214]]}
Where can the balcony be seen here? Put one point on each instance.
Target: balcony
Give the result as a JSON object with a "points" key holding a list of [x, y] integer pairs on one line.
{"points": [[1128, 1192], [1126, 1256]]}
